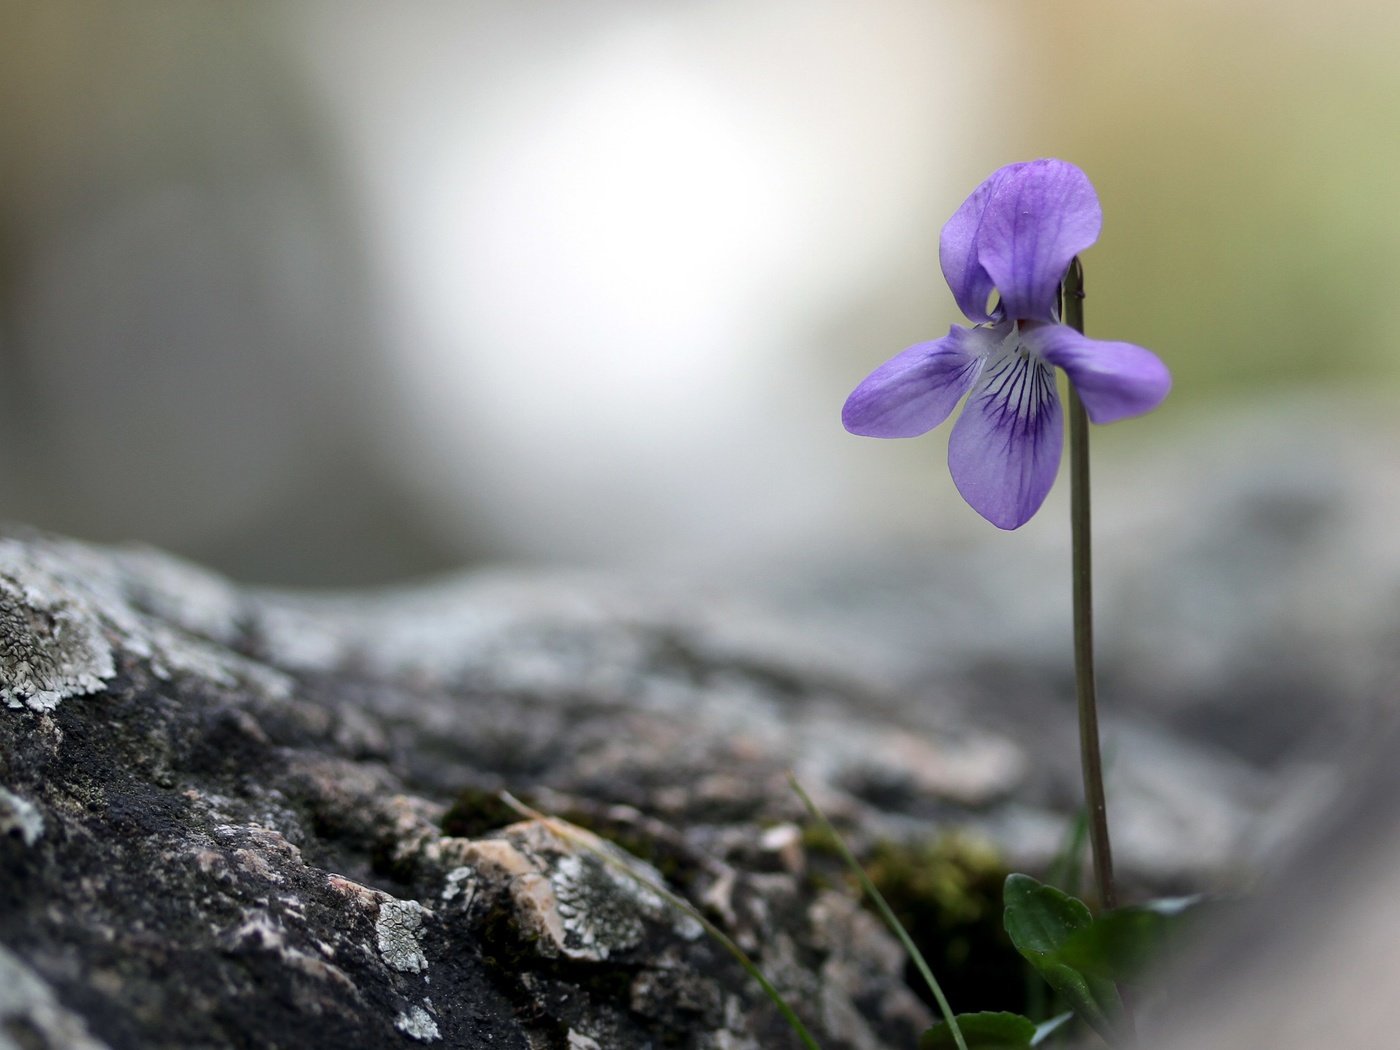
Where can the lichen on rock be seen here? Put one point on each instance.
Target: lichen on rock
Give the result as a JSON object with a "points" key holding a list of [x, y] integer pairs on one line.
{"points": [[572, 901], [397, 929], [19, 816], [51, 641], [417, 1023], [67, 611]]}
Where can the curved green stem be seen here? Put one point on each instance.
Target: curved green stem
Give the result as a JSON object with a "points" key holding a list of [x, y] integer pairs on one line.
{"points": [[886, 912]]}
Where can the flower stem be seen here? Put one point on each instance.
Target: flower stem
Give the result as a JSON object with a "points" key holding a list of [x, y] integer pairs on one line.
{"points": [[1089, 756]]}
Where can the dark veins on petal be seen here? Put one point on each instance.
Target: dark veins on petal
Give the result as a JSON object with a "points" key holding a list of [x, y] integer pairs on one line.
{"points": [[1018, 388]]}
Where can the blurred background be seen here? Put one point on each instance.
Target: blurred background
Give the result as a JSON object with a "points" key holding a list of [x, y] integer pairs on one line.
{"points": [[334, 292]]}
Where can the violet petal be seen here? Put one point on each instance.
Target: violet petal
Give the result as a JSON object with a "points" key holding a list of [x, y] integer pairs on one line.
{"points": [[1114, 380], [915, 390], [1038, 218], [1005, 447], [968, 280]]}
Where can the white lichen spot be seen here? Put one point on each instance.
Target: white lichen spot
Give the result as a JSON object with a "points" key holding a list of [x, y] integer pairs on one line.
{"points": [[599, 910], [20, 816], [418, 1024], [51, 644], [578, 1041], [398, 927], [453, 887], [67, 609], [577, 903]]}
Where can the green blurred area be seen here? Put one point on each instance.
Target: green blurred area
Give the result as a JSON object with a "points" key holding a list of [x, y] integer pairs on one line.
{"points": [[1246, 155]]}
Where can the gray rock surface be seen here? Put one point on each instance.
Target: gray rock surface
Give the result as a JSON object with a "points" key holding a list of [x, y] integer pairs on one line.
{"points": [[242, 818], [225, 822]]}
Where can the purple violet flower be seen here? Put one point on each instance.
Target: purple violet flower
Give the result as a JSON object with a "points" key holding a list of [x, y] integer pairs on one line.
{"points": [[1015, 236]]}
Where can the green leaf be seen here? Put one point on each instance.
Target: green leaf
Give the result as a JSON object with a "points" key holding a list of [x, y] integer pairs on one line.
{"points": [[1040, 920], [1119, 944], [984, 1031]]}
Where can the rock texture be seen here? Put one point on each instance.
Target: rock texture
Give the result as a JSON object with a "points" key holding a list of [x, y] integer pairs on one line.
{"points": [[235, 818], [226, 814]]}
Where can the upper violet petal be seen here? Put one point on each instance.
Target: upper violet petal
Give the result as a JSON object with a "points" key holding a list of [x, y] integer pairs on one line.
{"points": [[1114, 380], [1004, 451], [968, 280], [1037, 219], [918, 388]]}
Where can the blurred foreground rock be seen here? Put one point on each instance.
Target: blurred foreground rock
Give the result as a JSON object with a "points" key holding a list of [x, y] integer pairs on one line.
{"points": [[239, 818], [226, 823]]}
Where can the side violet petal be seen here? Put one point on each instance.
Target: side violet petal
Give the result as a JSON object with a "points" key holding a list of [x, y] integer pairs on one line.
{"points": [[918, 388], [968, 280], [1039, 217], [1114, 380], [1004, 451]]}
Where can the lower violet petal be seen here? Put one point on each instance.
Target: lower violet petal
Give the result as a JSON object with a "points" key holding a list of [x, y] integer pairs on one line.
{"points": [[1114, 380], [918, 388], [1004, 451]]}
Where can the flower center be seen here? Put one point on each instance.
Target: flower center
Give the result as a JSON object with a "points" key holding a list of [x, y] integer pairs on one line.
{"points": [[1013, 343]]}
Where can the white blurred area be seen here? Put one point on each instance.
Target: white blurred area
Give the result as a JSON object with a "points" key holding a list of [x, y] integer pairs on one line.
{"points": [[331, 292]]}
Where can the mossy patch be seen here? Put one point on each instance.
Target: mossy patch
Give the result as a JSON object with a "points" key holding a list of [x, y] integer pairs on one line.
{"points": [[947, 893], [474, 812]]}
